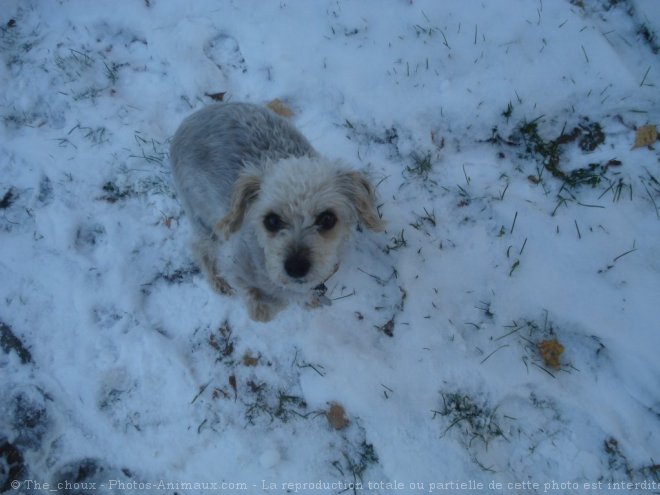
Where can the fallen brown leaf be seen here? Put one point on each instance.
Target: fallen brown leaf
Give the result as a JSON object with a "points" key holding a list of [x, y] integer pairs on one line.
{"points": [[232, 384], [612, 163], [280, 108], [646, 135], [337, 416], [217, 96], [218, 393], [550, 351], [249, 360]]}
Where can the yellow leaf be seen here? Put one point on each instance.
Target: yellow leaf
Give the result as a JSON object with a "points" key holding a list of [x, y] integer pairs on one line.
{"points": [[280, 108], [550, 351], [645, 136]]}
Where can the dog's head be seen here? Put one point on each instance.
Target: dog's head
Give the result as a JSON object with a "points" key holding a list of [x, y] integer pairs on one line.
{"points": [[302, 211]]}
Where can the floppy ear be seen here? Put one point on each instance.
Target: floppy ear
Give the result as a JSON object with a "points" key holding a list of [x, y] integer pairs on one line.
{"points": [[361, 194], [246, 189]]}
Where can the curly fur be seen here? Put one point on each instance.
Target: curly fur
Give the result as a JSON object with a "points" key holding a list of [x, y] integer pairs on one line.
{"points": [[236, 163]]}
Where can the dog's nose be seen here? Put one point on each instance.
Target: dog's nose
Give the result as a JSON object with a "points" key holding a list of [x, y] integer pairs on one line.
{"points": [[297, 265]]}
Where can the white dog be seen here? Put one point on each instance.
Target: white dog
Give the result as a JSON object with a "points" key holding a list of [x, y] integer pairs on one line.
{"points": [[270, 216]]}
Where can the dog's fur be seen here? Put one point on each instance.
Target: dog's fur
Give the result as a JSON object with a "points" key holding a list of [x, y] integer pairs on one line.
{"points": [[270, 216]]}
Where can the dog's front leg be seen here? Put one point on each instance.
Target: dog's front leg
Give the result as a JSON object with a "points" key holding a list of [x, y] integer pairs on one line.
{"points": [[218, 283], [204, 251], [262, 307]]}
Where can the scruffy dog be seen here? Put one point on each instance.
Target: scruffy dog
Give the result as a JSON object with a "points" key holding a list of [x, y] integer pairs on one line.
{"points": [[270, 216]]}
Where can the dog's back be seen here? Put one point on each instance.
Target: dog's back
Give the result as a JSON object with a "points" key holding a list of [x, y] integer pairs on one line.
{"points": [[211, 147]]}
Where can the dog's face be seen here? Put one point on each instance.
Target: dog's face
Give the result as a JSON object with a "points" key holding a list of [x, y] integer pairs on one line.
{"points": [[302, 211]]}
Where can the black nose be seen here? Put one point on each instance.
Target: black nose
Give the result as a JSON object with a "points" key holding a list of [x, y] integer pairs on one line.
{"points": [[297, 264]]}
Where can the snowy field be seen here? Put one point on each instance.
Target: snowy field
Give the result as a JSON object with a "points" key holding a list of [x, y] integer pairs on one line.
{"points": [[502, 335]]}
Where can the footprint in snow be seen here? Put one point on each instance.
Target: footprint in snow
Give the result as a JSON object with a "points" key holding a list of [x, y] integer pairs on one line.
{"points": [[225, 53]]}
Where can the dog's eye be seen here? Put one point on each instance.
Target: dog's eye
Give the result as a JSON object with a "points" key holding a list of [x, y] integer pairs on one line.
{"points": [[273, 222], [326, 220]]}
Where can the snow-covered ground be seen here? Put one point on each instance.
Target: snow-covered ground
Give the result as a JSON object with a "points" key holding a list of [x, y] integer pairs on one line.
{"points": [[520, 221]]}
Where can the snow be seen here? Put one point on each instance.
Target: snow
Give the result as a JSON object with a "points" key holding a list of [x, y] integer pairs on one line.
{"points": [[131, 373]]}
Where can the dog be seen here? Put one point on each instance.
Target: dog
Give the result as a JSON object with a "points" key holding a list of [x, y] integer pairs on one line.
{"points": [[271, 218]]}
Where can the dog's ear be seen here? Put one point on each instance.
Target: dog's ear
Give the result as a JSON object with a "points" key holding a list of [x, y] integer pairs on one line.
{"points": [[246, 189], [361, 194]]}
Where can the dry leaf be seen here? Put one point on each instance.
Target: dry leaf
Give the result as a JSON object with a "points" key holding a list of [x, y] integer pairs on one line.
{"points": [[550, 351], [232, 384], [388, 328], [612, 163], [337, 417], [280, 108], [645, 136], [217, 96], [249, 360], [218, 393]]}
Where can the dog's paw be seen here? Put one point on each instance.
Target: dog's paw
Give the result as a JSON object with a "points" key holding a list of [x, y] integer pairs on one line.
{"points": [[262, 307], [262, 311]]}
